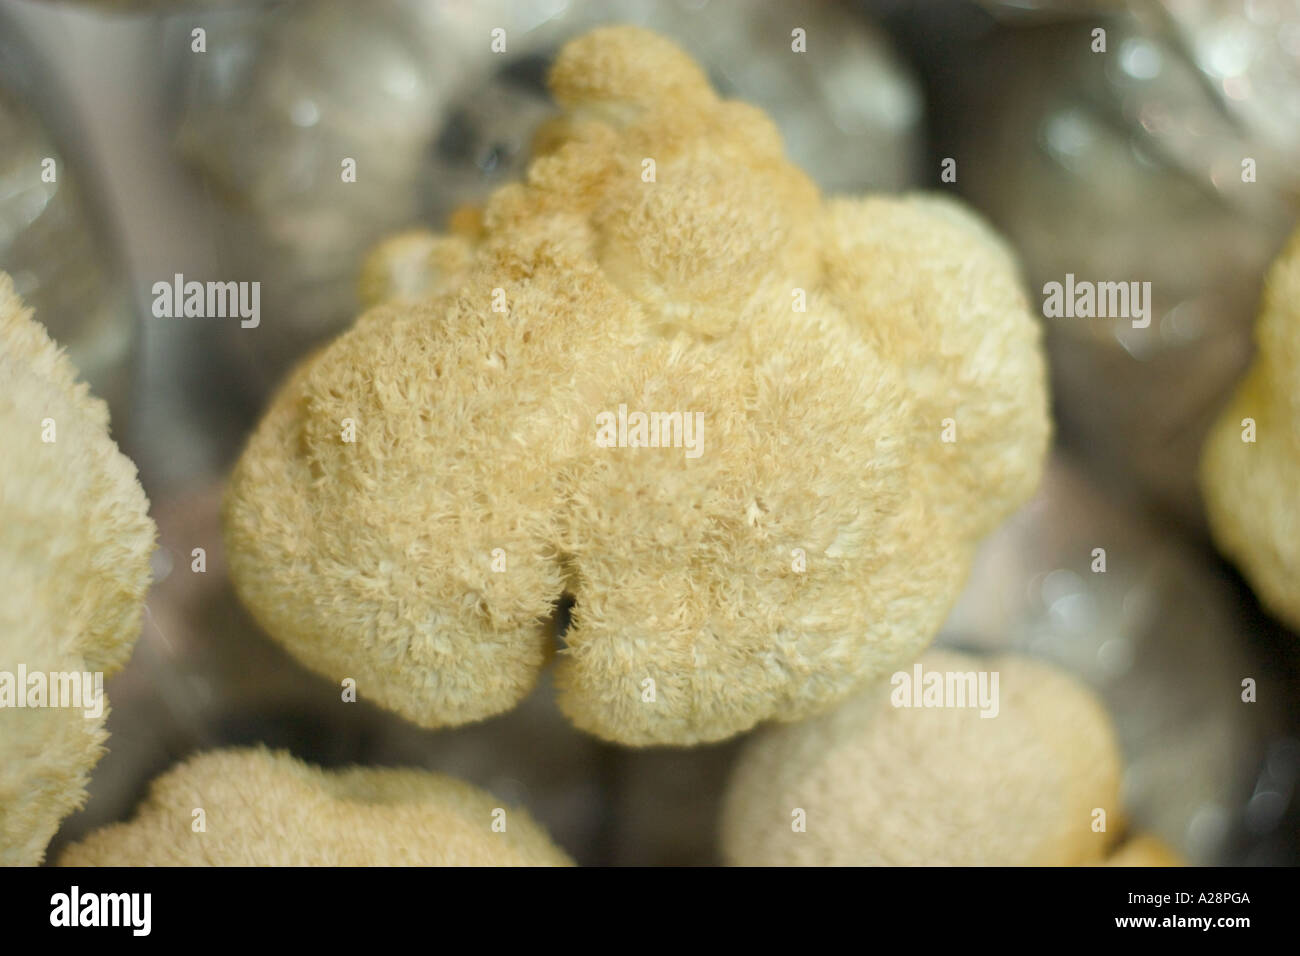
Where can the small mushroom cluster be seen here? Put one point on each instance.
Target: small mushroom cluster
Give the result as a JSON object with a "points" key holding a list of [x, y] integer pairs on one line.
{"points": [[1250, 470], [256, 807], [1031, 781], [75, 542]]}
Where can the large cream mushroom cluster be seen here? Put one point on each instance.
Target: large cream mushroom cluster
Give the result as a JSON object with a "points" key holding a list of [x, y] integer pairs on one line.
{"points": [[842, 396]]}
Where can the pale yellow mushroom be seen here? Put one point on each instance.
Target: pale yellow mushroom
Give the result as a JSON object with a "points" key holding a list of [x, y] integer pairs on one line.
{"points": [[1145, 850], [255, 807], [75, 542], [874, 782], [865, 376], [1250, 470]]}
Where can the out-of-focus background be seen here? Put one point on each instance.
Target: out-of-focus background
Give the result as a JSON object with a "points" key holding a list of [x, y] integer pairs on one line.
{"points": [[215, 154]]}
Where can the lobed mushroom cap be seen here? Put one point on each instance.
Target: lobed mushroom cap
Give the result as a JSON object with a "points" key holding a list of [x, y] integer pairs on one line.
{"points": [[475, 430]]}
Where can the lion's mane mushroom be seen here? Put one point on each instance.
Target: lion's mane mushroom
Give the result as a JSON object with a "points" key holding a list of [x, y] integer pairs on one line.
{"points": [[264, 808], [865, 377], [1250, 471], [876, 783], [75, 541]]}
